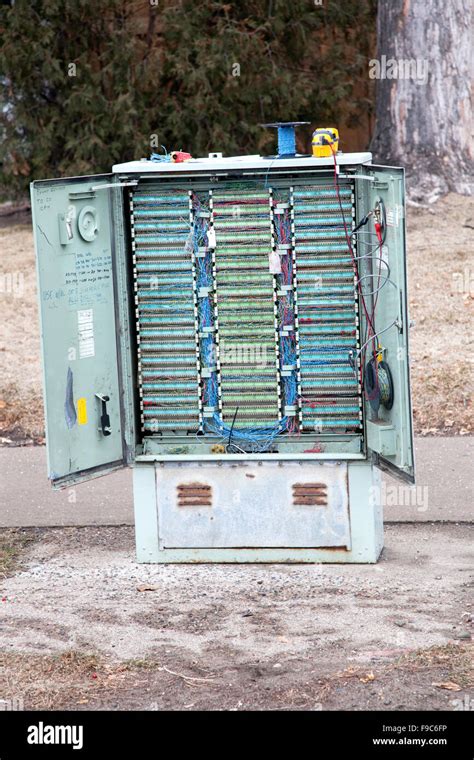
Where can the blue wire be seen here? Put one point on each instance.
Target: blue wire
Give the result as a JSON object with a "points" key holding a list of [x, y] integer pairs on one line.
{"points": [[286, 141]]}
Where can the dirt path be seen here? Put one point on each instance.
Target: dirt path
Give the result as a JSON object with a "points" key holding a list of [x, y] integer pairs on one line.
{"points": [[79, 628]]}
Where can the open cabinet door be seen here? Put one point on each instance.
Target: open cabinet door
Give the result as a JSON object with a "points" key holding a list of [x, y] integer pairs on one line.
{"points": [[79, 310], [390, 430]]}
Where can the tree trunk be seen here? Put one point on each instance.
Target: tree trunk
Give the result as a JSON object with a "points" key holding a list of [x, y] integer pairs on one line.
{"points": [[423, 103]]}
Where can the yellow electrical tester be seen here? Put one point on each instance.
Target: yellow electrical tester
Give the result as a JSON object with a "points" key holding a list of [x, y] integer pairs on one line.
{"points": [[325, 138]]}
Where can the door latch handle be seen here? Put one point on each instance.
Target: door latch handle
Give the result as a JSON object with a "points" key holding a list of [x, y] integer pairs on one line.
{"points": [[104, 416]]}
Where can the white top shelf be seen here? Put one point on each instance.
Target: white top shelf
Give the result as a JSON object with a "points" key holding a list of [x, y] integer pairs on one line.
{"points": [[240, 162]]}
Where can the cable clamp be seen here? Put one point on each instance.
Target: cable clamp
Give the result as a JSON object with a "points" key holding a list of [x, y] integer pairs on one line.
{"points": [[352, 361], [208, 371], [203, 292], [284, 290], [211, 238], [288, 367], [283, 247]]}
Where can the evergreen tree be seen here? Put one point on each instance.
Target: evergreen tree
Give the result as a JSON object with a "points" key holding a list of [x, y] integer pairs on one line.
{"points": [[86, 84]]}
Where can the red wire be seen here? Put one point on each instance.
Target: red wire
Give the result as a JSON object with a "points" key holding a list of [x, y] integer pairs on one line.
{"points": [[370, 320]]}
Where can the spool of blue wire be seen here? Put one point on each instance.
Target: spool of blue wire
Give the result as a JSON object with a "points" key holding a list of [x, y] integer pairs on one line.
{"points": [[286, 136]]}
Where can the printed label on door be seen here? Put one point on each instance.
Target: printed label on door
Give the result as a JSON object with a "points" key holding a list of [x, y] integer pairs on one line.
{"points": [[85, 327]]}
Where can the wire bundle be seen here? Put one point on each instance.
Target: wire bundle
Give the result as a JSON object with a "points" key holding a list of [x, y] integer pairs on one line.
{"points": [[254, 439], [287, 317], [205, 287]]}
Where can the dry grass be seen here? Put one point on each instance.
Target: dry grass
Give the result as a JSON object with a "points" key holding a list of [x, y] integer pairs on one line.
{"points": [[441, 287], [12, 543], [456, 661], [21, 403], [73, 680], [70, 680], [47, 682]]}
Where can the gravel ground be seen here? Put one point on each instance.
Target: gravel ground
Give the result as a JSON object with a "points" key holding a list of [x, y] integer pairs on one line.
{"points": [[83, 624], [441, 285]]}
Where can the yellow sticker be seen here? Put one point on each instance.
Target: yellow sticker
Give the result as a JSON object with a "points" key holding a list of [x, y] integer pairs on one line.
{"points": [[82, 411]]}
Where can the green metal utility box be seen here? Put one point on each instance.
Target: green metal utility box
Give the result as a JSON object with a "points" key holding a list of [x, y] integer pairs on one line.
{"points": [[236, 330]]}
